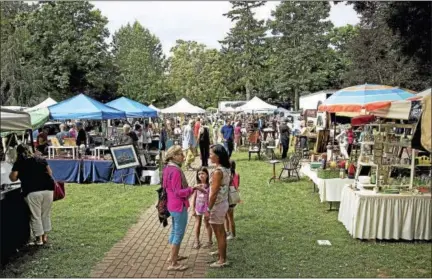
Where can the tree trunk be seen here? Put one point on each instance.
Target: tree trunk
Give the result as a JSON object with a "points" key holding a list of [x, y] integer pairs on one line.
{"points": [[296, 100], [248, 90]]}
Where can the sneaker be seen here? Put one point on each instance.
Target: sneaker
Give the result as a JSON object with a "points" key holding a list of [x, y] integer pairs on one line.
{"points": [[230, 237]]}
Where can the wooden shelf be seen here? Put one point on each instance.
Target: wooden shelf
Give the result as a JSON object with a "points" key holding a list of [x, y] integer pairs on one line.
{"points": [[394, 125]]}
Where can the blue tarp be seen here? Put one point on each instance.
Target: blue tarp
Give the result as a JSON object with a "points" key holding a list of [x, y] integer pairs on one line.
{"points": [[83, 107], [132, 108]]}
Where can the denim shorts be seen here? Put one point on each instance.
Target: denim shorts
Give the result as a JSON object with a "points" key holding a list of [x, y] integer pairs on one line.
{"points": [[179, 222]]}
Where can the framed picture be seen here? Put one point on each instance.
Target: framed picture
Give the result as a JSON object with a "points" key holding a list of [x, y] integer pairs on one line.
{"points": [[124, 156]]}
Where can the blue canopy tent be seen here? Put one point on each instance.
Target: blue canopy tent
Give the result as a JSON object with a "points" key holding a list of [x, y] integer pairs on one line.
{"points": [[132, 108], [83, 107]]}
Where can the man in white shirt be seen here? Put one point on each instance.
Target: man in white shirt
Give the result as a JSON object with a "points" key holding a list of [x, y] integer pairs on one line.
{"points": [[188, 143]]}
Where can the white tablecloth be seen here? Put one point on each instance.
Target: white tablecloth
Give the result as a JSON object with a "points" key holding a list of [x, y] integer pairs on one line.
{"points": [[329, 189], [367, 215]]}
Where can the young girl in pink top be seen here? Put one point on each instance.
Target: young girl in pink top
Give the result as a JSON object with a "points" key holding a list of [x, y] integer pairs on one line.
{"points": [[199, 208]]}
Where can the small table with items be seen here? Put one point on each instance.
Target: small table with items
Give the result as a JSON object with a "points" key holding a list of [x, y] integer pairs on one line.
{"points": [[96, 152], [52, 150], [274, 177]]}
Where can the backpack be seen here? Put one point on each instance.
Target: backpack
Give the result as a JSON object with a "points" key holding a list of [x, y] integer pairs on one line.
{"points": [[162, 205]]}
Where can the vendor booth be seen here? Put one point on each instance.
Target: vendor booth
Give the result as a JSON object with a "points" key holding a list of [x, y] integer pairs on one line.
{"points": [[256, 105], [14, 214], [132, 108], [183, 106], [88, 163]]}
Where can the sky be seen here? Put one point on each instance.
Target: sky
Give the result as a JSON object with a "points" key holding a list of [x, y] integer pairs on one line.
{"points": [[201, 21]]}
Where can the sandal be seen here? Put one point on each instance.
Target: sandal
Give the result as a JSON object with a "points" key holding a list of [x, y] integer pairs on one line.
{"points": [[179, 258], [207, 245], [196, 245], [215, 253], [179, 267], [218, 265]]}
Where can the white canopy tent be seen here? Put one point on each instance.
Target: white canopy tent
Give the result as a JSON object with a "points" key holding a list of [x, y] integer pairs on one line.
{"points": [[256, 105], [183, 106], [14, 120], [15, 108], [48, 102], [155, 108]]}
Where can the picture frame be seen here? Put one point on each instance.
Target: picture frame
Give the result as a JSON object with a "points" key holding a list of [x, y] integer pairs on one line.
{"points": [[124, 156]]}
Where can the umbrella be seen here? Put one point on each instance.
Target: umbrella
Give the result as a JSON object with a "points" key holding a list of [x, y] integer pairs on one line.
{"points": [[420, 95], [367, 97]]}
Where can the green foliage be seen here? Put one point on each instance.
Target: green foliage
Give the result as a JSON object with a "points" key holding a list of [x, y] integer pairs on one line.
{"points": [[59, 49], [21, 78], [301, 60], [379, 53], [69, 40], [394, 44], [196, 73], [141, 63], [244, 47]]}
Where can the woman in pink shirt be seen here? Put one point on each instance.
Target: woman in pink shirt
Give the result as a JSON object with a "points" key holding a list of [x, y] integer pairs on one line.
{"points": [[178, 193]]}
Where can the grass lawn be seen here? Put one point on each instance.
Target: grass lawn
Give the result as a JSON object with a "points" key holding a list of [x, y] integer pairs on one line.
{"points": [[278, 228], [86, 224]]}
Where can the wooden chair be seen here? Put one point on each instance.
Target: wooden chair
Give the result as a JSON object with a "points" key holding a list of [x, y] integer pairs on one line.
{"points": [[255, 148], [254, 144], [291, 165]]}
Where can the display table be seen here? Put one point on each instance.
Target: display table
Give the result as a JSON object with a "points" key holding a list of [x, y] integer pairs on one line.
{"points": [[52, 149], [367, 215], [66, 170], [96, 152], [329, 189], [77, 171]]}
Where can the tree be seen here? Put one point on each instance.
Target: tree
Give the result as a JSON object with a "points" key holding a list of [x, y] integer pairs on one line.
{"points": [[21, 79], [385, 51], [406, 28], [141, 63], [67, 40], [244, 45], [302, 46], [195, 72], [339, 60]]}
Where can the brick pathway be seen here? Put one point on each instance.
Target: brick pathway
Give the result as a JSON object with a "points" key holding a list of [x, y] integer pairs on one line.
{"points": [[144, 250]]}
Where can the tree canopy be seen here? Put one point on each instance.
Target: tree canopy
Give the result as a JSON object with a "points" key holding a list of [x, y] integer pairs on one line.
{"points": [[60, 49]]}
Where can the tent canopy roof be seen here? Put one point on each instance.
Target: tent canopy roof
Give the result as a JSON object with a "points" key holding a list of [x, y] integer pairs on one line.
{"points": [[183, 106], [155, 108], [132, 108], [48, 102], [256, 104], [83, 107], [14, 120]]}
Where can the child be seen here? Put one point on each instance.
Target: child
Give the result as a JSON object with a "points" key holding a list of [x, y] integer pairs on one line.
{"points": [[199, 208], [229, 219]]}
